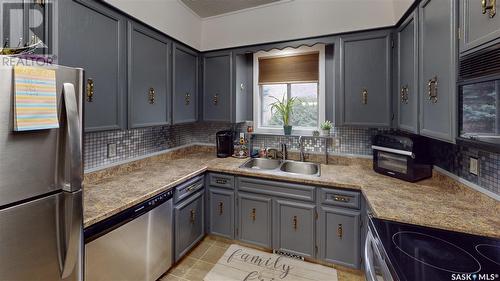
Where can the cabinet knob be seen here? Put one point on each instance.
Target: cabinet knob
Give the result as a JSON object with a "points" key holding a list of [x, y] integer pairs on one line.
{"points": [[404, 94], [254, 214], [216, 99], [340, 231], [364, 96], [432, 88], [90, 90], [151, 96], [187, 98], [221, 208], [490, 7], [294, 221], [192, 216]]}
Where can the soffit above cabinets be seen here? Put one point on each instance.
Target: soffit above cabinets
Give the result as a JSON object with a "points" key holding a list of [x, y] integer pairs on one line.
{"points": [[210, 8]]}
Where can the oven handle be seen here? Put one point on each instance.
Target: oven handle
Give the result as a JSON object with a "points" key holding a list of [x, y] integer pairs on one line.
{"points": [[392, 150], [369, 268]]}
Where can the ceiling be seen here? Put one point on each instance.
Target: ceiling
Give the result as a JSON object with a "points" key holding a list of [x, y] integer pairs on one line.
{"points": [[209, 8]]}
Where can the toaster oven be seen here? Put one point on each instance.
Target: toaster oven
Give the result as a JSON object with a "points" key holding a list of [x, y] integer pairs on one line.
{"points": [[402, 156]]}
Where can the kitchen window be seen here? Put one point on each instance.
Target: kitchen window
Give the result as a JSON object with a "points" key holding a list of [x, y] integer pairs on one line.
{"points": [[290, 73]]}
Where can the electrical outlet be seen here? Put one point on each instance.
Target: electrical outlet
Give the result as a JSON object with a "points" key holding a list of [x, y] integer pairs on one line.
{"points": [[111, 150], [473, 166]]}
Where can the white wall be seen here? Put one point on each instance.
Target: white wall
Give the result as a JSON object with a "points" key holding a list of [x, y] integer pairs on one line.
{"points": [[295, 19], [400, 7], [168, 16]]}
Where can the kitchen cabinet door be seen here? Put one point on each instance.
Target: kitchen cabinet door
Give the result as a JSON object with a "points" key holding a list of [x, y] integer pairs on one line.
{"points": [[217, 75], [148, 85], [189, 223], [339, 236], [243, 88], [438, 56], [407, 44], [478, 29], [295, 228], [221, 212], [185, 84], [254, 219], [93, 37], [365, 79]]}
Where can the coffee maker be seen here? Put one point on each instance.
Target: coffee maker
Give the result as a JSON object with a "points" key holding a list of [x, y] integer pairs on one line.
{"points": [[224, 141]]}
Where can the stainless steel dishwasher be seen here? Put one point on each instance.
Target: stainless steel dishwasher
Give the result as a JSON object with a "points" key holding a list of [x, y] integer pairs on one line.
{"points": [[134, 245]]}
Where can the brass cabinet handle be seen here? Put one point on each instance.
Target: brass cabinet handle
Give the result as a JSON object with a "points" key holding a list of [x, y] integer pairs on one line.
{"points": [[340, 231], [294, 221], [187, 98], [432, 88], [151, 96], [221, 181], [216, 99], [364, 96], [221, 208], [404, 94], [191, 187], [90, 90], [490, 6], [341, 198], [192, 216], [254, 214]]}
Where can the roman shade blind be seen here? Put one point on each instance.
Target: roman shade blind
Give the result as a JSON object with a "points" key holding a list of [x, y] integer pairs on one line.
{"points": [[288, 69]]}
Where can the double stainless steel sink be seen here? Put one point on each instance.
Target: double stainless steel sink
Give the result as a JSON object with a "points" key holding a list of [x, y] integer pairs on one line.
{"points": [[283, 166]]}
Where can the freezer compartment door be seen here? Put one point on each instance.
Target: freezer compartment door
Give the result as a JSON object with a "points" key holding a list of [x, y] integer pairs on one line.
{"points": [[42, 239]]}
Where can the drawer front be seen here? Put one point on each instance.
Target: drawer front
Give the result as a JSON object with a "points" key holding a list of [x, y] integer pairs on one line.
{"points": [[221, 212], [254, 219], [341, 198], [191, 186], [221, 180], [275, 188], [189, 224]]}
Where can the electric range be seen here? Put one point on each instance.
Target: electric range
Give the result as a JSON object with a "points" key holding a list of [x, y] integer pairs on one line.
{"points": [[404, 252]]}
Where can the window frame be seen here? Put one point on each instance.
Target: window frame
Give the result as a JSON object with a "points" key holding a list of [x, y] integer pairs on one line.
{"points": [[257, 98]]}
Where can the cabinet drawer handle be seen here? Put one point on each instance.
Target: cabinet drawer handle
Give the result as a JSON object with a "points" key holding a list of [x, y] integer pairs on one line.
{"points": [[364, 96], [254, 214], [404, 94], [432, 88], [341, 198], [221, 208], [294, 221], [340, 231], [187, 98], [151, 96], [192, 216], [90, 90], [216, 99], [489, 5], [221, 181]]}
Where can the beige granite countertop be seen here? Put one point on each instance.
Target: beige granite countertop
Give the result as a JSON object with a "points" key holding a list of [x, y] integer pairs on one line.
{"points": [[440, 202]]}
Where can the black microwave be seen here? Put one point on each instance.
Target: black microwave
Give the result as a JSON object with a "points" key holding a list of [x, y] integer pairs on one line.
{"points": [[403, 156], [479, 98]]}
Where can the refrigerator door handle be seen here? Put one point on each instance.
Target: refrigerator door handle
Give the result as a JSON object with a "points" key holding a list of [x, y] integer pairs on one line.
{"points": [[74, 137], [70, 232]]}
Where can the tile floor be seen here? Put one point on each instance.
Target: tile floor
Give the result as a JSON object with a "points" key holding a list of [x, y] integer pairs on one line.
{"points": [[195, 265]]}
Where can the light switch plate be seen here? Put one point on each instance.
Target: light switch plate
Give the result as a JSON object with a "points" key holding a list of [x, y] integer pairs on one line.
{"points": [[111, 150], [473, 166]]}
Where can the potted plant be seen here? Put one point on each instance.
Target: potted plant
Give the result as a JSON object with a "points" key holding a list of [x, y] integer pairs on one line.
{"points": [[283, 109], [326, 127]]}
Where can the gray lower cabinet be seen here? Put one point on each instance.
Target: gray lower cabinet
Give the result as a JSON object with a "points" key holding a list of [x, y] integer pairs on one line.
{"points": [[407, 74], [148, 83], [254, 219], [478, 25], [217, 75], [221, 212], [185, 84], [339, 236], [438, 56], [189, 223], [364, 98], [84, 26], [294, 227]]}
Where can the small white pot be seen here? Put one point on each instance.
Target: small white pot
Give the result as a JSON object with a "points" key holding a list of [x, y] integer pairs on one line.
{"points": [[325, 132]]}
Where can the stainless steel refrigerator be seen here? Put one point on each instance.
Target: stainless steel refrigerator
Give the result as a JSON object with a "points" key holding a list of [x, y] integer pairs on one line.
{"points": [[41, 185]]}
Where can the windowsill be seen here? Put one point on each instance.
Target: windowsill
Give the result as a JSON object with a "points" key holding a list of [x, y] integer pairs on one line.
{"points": [[294, 134]]}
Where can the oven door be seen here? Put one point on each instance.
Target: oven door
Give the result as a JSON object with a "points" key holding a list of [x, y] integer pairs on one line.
{"points": [[376, 267]]}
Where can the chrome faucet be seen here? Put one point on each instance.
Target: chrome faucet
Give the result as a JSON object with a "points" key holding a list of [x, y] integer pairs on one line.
{"points": [[284, 152], [301, 147]]}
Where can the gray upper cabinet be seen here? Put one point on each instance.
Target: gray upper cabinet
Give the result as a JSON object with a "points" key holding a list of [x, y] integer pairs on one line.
{"points": [[221, 212], [242, 103], [438, 56], [254, 219], [294, 227], [364, 98], [478, 29], [407, 75], [84, 27], [217, 75], [148, 83], [185, 84]]}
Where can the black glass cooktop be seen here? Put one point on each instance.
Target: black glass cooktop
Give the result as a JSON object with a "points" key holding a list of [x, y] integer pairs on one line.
{"points": [[426, 254]]}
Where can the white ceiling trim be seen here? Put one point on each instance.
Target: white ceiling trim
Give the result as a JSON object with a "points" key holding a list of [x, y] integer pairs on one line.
{"points": [[242, 10]]}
